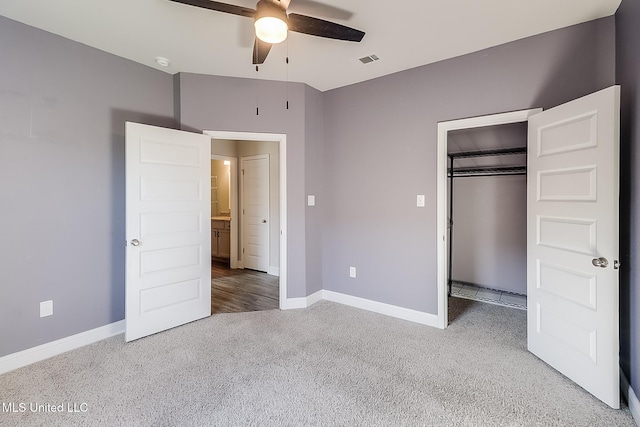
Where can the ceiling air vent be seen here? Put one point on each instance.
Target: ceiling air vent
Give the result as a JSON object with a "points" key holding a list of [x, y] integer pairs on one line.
{"points": [[368, 59]]}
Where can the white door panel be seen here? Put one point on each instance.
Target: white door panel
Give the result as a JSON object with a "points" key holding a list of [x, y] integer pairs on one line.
{"points": [[255, 201], [572, 221], [168, 272]]}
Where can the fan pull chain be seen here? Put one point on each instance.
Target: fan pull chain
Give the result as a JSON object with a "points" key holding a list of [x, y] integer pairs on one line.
{"points": [[287, 62], [287, 81]]}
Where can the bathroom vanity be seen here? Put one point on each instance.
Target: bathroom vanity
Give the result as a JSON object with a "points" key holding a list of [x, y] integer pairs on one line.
{"points": [[221, 237]]}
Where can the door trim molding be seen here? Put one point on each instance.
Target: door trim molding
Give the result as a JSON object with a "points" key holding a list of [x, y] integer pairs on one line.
{"points": [[281, 139], [441, 191]]}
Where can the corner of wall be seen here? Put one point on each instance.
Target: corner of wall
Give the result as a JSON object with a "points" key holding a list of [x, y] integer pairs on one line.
{"points": [[314, 183]]}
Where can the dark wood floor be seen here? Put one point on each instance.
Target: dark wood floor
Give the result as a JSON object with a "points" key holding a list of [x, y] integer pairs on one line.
{"points": [[237, 291]]}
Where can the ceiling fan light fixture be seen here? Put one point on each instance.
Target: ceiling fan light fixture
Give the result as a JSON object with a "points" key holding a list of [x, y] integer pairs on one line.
{"points": [[271, 22], [271, 30]]}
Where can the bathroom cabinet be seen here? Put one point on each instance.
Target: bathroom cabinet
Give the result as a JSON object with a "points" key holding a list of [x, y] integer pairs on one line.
{"points": [[221, 238]]}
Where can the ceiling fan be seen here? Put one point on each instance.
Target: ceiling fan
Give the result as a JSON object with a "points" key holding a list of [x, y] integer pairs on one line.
{"points": [[272, 23]]}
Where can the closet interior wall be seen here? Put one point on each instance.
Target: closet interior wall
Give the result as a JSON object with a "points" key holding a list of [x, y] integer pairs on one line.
{"points": [[487, 207]]}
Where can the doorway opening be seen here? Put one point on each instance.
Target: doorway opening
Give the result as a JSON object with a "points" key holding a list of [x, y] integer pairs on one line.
{"points": [[460, 131], [238, 285], [487, 214]]}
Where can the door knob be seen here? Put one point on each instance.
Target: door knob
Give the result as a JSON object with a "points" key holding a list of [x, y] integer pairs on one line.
{"points": [[264, 221], [600, 262], [135, 242]]}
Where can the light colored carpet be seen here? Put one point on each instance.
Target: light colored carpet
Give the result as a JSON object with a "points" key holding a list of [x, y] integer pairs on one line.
{"points": [[329, 365]]}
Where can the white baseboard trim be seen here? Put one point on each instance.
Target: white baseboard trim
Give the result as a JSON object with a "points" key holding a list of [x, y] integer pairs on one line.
{"points": [[54, 348], [315, 297], [294, 303], [303, 302], [382, 308], [631, 397], [273, 271], [364, 304]]}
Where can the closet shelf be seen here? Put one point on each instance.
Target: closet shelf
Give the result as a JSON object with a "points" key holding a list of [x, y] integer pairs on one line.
{"points": [[487, 153], [488, 171]]}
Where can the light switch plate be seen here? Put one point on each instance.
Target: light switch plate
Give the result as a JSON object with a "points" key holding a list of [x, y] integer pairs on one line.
{"points": [[311, 200], [352, 272], [46, 308], [420, 201]]}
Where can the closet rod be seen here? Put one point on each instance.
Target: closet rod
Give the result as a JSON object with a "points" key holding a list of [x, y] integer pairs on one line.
{"points": [[490, 174]]}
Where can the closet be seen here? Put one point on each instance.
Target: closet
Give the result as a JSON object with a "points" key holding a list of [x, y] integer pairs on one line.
{"points": [[487, 214]]}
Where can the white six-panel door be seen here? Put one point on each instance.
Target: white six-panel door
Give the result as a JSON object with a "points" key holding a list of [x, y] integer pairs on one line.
{"points": [[255, 215], [572, 241], [168, 254]]}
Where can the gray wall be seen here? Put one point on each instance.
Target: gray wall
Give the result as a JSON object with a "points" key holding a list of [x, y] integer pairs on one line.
{"points": [[490, 232], [62, 111], [628, 76], [389, 124], [229, 104]]}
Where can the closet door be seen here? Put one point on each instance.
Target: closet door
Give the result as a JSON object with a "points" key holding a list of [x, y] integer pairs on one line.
{"points": [[572, 241]]}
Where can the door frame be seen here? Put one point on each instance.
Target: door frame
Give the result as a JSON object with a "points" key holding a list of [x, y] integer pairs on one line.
{"points": [[233, 203], [441, 192], [281, 139]]}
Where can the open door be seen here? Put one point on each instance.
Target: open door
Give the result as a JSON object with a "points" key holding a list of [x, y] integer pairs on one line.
{"points": [[168, 210], [572, 241]]}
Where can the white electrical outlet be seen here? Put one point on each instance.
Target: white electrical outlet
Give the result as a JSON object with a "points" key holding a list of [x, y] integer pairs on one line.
{"points": [[46, 308], [420, 201], [352, 272], [311, 200]]}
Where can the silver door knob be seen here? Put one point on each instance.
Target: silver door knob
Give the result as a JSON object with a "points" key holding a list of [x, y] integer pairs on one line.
{"points": [[600, 262], [135, 242]]}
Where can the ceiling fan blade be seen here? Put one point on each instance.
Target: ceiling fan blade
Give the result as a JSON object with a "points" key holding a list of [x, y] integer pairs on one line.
{"points": [[260, 51], [317, 8], [321, 28], [219, 7]]}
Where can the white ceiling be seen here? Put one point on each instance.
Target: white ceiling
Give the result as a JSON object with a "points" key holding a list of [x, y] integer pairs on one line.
{"points": [[404, 34]]}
